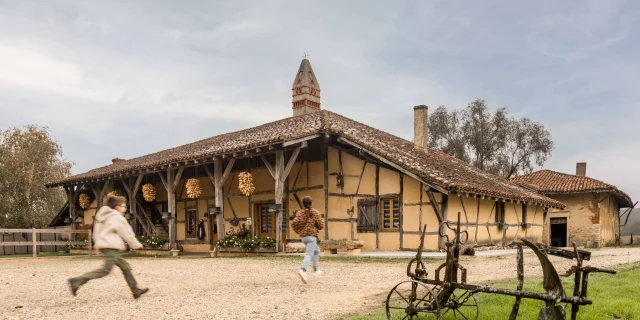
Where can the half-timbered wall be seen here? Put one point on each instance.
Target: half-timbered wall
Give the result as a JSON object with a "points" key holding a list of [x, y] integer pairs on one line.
{"points": [[349, 178]]}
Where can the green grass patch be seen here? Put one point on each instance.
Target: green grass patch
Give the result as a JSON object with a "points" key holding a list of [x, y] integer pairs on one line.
{"points": [[613, 296]]}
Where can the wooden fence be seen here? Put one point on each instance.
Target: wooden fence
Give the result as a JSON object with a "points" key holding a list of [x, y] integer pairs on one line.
{"points": [[26, 241]]}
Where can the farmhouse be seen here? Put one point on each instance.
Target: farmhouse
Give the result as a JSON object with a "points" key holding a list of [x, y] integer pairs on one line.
{"points": [[591, 217], [370, 185]]}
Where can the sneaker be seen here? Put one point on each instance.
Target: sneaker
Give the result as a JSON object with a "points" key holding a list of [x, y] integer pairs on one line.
{"points": [[139, 292], [317, 273], [73, 286], [303, 276]]}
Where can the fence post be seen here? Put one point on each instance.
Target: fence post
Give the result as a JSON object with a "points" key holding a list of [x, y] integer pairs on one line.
{"points": [[90, 246], [33, 240]]}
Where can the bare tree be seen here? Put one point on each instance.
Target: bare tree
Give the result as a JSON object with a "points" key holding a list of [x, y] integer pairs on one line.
{"points": [[490, 141], [29, 158], [446, 132]]}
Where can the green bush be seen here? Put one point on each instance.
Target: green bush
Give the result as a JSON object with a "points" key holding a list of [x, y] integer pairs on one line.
{"points": [[247, 244], [152, 242]]}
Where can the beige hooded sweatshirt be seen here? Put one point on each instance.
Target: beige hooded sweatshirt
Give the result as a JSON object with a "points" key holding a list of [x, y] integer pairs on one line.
{"points": [[110, 228]]}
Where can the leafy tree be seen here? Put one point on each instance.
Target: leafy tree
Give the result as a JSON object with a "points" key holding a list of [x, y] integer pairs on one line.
{"points": [[493, 142], [29, 158]]}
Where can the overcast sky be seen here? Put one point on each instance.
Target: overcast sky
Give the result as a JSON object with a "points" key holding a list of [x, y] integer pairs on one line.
{"points": [[127, 78]]}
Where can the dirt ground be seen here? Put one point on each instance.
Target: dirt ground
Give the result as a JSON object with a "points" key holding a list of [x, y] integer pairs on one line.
{"points": [[230, 288]]}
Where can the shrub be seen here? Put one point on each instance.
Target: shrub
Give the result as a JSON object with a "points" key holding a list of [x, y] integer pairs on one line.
{"points": [[247, 244], [152, 242], [241, 232]]}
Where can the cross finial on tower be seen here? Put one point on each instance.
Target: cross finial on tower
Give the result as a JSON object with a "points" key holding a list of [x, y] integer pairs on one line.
{"points": [[305, 55]]}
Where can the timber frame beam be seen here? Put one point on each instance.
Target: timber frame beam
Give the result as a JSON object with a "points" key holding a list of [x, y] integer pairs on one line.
{"points": [[393, 165], [218, 179], [279, 173]]}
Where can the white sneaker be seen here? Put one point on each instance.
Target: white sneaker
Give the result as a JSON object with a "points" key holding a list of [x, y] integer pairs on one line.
{"points": [[317, 273], [303, 276]]}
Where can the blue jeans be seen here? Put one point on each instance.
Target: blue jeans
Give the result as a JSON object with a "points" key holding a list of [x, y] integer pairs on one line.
{"points": [[312, 253]]}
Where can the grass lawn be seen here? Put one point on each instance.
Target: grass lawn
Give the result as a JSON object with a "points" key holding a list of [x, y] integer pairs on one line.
{"points": [[613, 296]]}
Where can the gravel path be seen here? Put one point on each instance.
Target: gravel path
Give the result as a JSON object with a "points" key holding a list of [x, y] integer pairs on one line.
{"points": [[229, 288]]}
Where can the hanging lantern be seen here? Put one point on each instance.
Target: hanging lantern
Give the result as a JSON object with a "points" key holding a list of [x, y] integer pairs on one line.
{"points": [[149, 192], [245, 183], [113, 193], [84, 201], [193, 188]]}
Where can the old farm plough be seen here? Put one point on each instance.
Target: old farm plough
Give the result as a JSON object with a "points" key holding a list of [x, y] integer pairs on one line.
{"points": [[452, 297]]}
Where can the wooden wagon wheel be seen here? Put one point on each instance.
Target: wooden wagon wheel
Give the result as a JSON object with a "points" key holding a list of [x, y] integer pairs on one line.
{"points": [[462, 304], [412, 300]]}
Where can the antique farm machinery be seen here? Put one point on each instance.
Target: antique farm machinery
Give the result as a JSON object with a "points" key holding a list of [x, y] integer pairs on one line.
{"points": [[424, 298]]}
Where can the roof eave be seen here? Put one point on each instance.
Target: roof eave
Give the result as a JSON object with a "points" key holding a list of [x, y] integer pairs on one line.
{"points": [[160, 166]]}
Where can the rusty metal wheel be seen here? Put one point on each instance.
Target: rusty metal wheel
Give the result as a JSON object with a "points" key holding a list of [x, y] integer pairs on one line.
{"points": [[412, 300], [462, 304]]}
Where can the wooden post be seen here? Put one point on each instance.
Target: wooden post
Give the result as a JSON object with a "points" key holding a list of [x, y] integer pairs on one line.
{"points": [[279, 174], [377, 206], [218, 179], [33, 240], [326, 190], [444, 206], [278, 195], [90, 243], [219, 191], [170, 184], [401, 208]]}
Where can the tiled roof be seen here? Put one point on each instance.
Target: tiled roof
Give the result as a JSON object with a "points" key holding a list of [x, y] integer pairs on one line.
{"points": [[551, 182], [433, 167]]}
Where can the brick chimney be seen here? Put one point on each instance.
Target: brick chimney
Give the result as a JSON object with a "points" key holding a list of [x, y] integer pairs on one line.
{"points": [[114, 160], [421, 126], [581, 169]]}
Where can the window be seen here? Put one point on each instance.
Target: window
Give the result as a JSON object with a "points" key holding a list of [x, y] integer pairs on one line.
{"points": [[267, 221], [390, 213], [499, 212], [367, 215], [191, 221], [524, 213]]}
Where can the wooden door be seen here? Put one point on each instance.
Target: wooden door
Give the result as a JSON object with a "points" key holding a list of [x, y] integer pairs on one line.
{"points": [[266, 222]]}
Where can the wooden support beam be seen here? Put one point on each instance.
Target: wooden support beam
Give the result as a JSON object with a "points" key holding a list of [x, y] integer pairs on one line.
{"points": [[279, 177], [176, 180], [272, 171], [296, 141], [395, 166], [401, 200], [164, 180], [291, 162], [325, 151], [364, 166]]}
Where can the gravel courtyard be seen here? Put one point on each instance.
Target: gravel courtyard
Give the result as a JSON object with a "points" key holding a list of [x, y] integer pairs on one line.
{"points": [[229, 288]]}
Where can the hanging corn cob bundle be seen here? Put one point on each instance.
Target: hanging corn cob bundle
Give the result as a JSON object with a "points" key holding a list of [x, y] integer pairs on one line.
{"points": [[193, 188], [148, 192], [84, 201], [113, 193], [245, 183]]}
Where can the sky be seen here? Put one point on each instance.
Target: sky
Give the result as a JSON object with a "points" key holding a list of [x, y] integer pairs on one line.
{"points": [[127, 78]]}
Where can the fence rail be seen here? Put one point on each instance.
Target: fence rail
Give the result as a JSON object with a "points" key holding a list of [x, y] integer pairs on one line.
{"points": [[34, 242]]}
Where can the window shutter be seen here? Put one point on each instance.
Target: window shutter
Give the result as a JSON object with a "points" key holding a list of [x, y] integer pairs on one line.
{"points": [[367, 215]]}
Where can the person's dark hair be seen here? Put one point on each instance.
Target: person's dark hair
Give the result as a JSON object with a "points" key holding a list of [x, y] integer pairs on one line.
{"points": [[114, 201], [306, 202]]}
